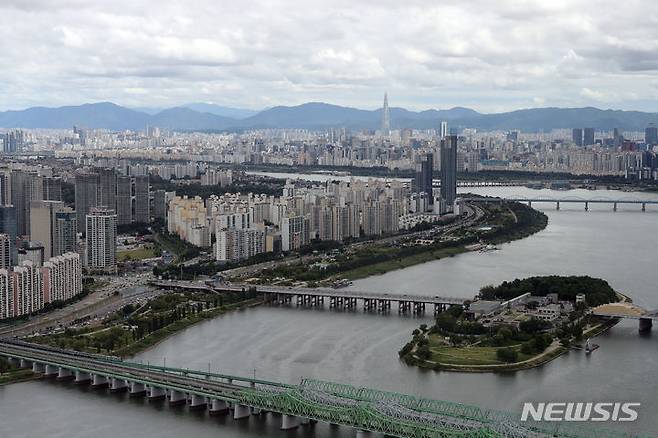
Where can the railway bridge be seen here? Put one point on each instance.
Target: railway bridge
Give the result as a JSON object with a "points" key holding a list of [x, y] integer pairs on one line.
{"points": [[361, 409]]}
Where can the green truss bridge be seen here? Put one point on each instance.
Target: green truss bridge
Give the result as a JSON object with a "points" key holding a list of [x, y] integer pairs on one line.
{"points": [[362, 409]]}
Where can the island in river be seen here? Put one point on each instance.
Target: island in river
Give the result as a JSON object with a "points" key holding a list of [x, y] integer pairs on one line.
{"points": [[515, 325]]}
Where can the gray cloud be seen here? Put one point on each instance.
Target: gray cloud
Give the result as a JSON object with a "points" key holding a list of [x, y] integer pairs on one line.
{"points": [[488, 55]]}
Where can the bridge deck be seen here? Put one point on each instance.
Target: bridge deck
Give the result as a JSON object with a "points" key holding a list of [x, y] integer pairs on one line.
{"points": [[624, 310], [563, 200], [317, 292]]}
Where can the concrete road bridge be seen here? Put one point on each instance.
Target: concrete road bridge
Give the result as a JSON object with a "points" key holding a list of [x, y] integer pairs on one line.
{"points": [[628, 311], [566, 200], [361, 409], [337, 298], [437, 183]]}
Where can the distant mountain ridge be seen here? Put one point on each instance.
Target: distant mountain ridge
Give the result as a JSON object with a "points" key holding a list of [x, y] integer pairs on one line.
{"points": [[318, 115]]}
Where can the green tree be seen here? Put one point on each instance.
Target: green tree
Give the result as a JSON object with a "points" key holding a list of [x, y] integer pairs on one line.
{"points": [[507, 354], [447, 322], [534, 325]]}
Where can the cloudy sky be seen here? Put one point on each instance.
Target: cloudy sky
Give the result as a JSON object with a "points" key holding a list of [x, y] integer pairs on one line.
{"points": [[491, 55]]}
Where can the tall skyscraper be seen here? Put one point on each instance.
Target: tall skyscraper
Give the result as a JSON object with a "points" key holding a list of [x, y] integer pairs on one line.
{"points": [[86, 194], [43, 224], [577, 136], [107, 188], [142, 200], [5, 251], [124, 200], [5, 186], [444, 130], [588, 136], [66, 232], [422, 182], [651, 135], [101, 225], [617, 137], [386, 117], [52, 189], [13, 141], [160, 204], [25, 187], [449, 170], [8, 227]]}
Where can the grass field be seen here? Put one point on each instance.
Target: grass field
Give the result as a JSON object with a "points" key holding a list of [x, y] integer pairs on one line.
{"points": [[16, 376], [468, 355], [137, 254], [404, 262]]}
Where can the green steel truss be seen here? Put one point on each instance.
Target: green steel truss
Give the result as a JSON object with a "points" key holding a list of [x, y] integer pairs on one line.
{"points": [[393, 414]]}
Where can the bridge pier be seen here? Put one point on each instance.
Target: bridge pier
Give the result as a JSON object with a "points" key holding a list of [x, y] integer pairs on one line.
{"points": [[198, 402], [241, 411], [64, 374], [156, 393], [82, 377], [644, 206], [50, 371], [614, 206], [218, 407], [98, 381], [645, 325], [137, 389], [367, 434], [557, 205], [118, 385], [289, 422], [586, 206], [438, 308], [36, 367], [25, 364], [529, 203], [177, 398], [383, 305]]}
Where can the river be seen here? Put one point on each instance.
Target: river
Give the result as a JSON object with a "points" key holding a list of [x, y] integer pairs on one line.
{"points": [[287, 343]]}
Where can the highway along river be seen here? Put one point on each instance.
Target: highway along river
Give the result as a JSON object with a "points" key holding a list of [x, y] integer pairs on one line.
{"points": [[286, 343]]}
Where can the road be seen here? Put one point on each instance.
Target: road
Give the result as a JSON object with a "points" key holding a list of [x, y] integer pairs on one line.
{"points": [[117, 293]]}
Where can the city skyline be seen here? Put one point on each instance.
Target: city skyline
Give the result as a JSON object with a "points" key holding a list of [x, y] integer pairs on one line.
{"points": [[512, 56]]}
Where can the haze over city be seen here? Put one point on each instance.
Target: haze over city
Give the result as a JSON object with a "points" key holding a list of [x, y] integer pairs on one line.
{"points": [[428, 54], [346, 219]]}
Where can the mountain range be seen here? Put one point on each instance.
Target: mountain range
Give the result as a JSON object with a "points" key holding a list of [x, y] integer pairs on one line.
{"points": [[317, 115]]}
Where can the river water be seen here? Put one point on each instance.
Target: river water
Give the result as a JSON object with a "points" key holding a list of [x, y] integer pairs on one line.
{"points": [[287, 343]]}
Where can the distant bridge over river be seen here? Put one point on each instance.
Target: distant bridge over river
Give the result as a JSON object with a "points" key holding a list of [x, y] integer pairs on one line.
{"points": [[628, 311], [358, 408], [337, 298], [614, 202]]}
